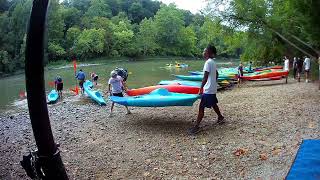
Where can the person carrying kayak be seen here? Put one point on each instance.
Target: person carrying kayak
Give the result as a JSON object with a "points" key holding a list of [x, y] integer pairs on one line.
{"points": [[116, 87], [81, 76], [208, 88], [58, 85]]}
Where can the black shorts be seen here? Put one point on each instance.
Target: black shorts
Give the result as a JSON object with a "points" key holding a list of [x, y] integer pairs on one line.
{"points": [[95, 78], [81, 83], [117, 94], [208, 100], [59, 86]]}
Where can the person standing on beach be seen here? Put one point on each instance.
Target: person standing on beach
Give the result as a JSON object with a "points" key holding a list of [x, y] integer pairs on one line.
{"points": [[299, 68], [94, 78], [240, 73], [294, 65], [208, 88], [307, 65], [81, 76], [286, 66], [250, 67], [58, 84]]}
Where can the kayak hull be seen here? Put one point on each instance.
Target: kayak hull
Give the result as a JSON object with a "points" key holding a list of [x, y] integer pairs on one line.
{"points": [[180, 82], [94, 95], [171, 88], [266, 75], [267, 79], [53, 96], [157, 98], [200, 77]]}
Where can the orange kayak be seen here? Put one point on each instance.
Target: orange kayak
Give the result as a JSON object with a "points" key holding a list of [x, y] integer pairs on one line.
{"points": [[171, 88], [267, 68], [266, 75]]}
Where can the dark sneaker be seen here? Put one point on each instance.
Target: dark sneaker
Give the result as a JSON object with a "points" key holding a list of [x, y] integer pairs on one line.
{"points": [[194, 130], [221, 120]]}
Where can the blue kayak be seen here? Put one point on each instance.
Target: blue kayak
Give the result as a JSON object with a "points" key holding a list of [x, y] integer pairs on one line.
{"points": [[94, 95], [196, 72], [200, 77], [53, 96], [157, 98], [180, 82]]}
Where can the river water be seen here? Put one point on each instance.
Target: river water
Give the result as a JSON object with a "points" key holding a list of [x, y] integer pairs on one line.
{"points": [[141, 73]]}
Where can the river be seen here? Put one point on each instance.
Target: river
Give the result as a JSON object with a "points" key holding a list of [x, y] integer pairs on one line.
{"points": [[141, 73]]}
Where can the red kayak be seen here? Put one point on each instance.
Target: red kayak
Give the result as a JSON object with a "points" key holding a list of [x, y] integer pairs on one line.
{"points": [[171, 88], [268, 68], [267, 79], [266, 75]]}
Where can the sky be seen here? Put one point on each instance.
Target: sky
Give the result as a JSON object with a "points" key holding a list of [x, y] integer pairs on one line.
{"points": [[192, 5]]}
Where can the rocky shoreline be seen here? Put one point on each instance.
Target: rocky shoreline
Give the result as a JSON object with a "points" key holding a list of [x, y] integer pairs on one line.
{"points": [[266, 122]]}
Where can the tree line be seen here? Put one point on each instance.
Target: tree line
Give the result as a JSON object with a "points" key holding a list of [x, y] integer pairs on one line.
{"points": [[112, 28], [274, 28]]}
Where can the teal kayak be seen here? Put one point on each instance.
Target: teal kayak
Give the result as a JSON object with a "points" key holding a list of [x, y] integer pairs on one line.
{"points": [[53, 96], [94, 95], [157, 98], [180, 82]]}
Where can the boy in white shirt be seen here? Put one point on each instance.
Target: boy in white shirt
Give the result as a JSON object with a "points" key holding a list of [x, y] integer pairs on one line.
{"points": [[116, 87], [307, 65], [286, 66], [208, 88]]}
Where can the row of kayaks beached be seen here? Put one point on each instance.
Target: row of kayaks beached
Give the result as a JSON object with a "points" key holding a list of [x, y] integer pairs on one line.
{"points": [[180, 92]]}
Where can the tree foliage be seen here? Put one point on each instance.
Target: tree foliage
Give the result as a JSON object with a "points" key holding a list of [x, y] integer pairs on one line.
{"points": [[273, 28], [95, 28]]}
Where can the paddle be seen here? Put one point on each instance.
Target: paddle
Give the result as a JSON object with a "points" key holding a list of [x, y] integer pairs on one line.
{"points": [[76, 90]]}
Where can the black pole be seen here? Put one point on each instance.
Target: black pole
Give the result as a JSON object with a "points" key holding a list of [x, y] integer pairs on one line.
{"points": [[49, 155]]}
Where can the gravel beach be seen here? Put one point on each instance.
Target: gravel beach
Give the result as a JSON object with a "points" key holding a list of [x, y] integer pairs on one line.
{"points": [[265, 124]]}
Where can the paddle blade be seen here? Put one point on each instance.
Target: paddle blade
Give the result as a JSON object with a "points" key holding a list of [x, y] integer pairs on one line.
{"points": [[75, 90]]}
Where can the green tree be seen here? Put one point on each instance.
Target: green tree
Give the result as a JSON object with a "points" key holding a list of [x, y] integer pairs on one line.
{"points": [[90, 43], [71, 17], [147, 37], [56, 52], [123, 36], [98, 8], [187, 42], [169, 23], [72, 36]]}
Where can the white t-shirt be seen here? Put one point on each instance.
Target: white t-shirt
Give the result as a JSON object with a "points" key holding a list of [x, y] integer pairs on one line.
{"points": [[307, 64], [116, 84], [211, 86], [286, 65]]}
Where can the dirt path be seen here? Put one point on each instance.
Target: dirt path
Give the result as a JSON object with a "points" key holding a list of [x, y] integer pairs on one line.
{"points": [[269, 118]]}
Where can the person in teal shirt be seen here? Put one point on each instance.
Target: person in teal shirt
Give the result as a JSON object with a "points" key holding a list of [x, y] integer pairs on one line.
{"points": [[250, 67]]}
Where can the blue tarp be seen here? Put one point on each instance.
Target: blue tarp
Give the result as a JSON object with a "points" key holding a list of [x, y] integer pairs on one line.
{"points": [[306, 165]]}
